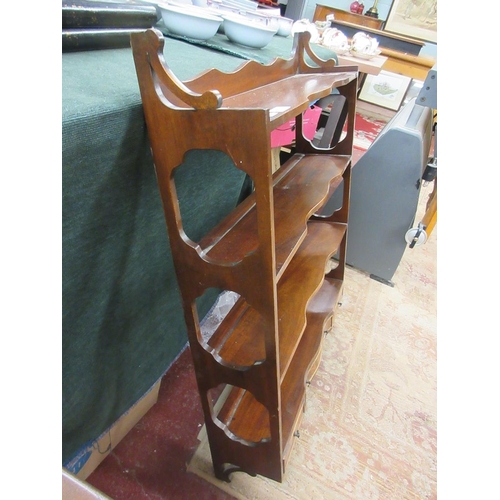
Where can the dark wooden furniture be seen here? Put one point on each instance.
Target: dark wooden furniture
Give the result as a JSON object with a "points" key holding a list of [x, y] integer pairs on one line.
{"points": [[385, 39], [322, 11], [407, 64], [272, 250]]}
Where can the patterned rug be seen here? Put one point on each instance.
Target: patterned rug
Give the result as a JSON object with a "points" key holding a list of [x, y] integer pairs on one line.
{"points": [[366, 128], [369, 428]]}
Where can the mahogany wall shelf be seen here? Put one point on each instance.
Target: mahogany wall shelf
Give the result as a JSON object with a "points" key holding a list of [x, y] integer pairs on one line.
{"points": [[272, 250]]}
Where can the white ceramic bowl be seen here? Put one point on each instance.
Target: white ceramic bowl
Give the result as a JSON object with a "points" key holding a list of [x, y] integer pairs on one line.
{"points": [[366, 44], [335, 40], [193, 22], [305, 25], [252, 15], [255, 16], [244, 31], [241, 4], [285, 26], [364, 55]]}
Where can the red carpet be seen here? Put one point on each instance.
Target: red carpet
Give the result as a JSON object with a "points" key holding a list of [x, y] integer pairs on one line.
{"points": [[150, 462], [367, 127]]}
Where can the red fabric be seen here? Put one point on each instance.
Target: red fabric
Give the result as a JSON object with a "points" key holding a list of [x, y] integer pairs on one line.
{"points": [[285, 135], [366, 126], [366, 129]]}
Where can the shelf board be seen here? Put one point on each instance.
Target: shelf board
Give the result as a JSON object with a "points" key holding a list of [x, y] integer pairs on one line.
{"points": [[287, 97], [302, 185], [245, 418], [303, 366], [239, 339], [306, 272]]}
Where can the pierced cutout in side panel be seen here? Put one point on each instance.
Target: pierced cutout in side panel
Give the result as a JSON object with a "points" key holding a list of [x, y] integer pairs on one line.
{"points": [[335, 202], [233, 332], [221, 307], [239, 414], [192, 176], [332, 124], [332, 264]]}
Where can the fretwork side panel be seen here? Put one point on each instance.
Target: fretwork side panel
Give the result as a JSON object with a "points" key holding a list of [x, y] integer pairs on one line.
{"points": [[271, 250]]}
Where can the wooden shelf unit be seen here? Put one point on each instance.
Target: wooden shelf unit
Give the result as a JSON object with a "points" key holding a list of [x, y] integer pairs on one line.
{"points": [[272, 250]]}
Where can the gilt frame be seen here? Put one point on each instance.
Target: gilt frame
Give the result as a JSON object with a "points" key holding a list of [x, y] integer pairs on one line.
{"points": [[413, 18]]}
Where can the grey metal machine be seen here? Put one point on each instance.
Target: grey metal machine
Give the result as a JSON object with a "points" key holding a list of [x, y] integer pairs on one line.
{"points": [[426, 97], [385, 187]]}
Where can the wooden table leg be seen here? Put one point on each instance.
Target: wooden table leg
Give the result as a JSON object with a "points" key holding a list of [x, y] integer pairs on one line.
{"points": [[430, 218]]}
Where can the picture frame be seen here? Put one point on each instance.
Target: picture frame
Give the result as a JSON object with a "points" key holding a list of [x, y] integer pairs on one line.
{"points": [[385, 89], [413, 18]]}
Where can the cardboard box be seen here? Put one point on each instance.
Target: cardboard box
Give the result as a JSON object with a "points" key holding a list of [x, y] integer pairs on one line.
{"points": [[86, 461], [76, 489]]}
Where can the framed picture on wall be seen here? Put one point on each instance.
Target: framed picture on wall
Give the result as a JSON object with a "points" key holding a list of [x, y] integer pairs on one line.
{"points": [[385, 89], [414, 18]]}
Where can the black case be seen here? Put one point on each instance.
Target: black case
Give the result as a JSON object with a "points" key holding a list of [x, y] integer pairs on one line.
{"points": [[91, 25]]}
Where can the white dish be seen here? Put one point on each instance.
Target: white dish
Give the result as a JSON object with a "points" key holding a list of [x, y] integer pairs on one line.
{"points": [[244, 31], [335, 40], [364, 44], [255, 16], [340, 51], [241, 4], [269, 11], [305, 25], [250, 15], [191, 21], [364, 55], [285, 26]]}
